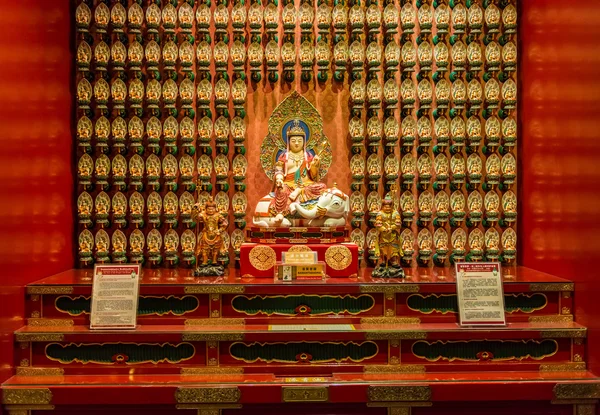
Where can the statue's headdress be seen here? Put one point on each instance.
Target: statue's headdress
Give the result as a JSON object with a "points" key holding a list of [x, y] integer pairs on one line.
{"points": [[295, 129]]}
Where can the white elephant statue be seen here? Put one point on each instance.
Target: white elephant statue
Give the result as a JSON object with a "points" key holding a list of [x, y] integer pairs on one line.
{"points": [[331, 209]]}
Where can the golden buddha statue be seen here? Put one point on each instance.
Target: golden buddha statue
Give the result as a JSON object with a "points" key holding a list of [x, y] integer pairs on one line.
{"points": [[388, 245], [210, 242]]}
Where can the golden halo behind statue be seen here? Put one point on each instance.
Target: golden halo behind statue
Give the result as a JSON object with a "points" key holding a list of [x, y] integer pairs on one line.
{"points": [[295, 107]]}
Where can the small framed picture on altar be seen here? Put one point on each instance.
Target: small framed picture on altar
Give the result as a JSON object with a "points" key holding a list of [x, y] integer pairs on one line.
{"points": [[115, 293], [480, 294]]}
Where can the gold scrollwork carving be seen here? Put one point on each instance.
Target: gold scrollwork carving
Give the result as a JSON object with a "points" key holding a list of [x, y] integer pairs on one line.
{"points": [[390, 288], [304, 394], [587, 390], [208, 395], [201, 337], [18, 411], [390, 320], [26, 396], [338, 257], [563, 367], [394, 369], [215, 322], [262, 257], [395, 335], [567, 286], [561, 334], [40, 371], [39, 337], [52, 289], [551, 319], [585, 409], [45, 322], [299, 248], [399, 393], [198, 371], [214, 289]]}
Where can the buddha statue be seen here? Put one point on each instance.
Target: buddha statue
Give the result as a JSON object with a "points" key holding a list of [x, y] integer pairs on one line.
{"points": [[296, 173], [296, 155]]}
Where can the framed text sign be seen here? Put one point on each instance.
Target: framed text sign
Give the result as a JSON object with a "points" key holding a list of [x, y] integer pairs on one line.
{"points": [[480, 293], [115, 296]]}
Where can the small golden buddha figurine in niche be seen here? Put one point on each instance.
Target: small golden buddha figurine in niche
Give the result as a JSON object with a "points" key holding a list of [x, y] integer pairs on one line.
{"points": [[210, 242], [388, 246]]}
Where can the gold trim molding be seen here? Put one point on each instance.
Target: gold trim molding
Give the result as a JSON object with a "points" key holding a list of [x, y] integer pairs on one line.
{"points": [[196, 371], [587, 390], [563, 367], [304, 394], [208, 395], [23, 396], [566, 286], [50, 322], [201, 337], [561, 334], [214, 289], [390, 320], [376, 369], [390, 288], [215, 322], [39, 337], [50, 289], [399, 393], [396, 335], [551, 319], [40, 371]]}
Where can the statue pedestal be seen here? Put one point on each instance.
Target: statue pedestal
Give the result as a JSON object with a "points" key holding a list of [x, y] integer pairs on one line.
{"points": [[298, 235], [259, 259]]}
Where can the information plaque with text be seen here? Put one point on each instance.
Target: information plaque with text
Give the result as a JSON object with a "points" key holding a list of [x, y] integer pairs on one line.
{"points": [[115, 296], [480, 294]]}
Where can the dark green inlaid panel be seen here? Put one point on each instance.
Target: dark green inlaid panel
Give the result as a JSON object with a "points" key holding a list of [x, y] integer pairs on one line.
{"points": [[314, 352], [312, 235], [291, 304], [130, 353], [476, 350], [447, 303], [147, 305], [284, 235]]}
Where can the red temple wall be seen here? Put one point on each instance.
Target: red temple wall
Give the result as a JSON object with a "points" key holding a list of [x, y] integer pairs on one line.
{"points": [[36, 208], [559, 210]]}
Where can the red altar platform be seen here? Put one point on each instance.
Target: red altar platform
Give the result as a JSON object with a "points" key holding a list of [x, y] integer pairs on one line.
{"points": [[235, 342]]}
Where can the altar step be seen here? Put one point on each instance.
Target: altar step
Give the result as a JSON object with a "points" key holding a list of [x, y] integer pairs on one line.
{"points": [[301, 350], [245, 390], [175, 297]]}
